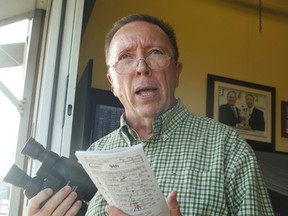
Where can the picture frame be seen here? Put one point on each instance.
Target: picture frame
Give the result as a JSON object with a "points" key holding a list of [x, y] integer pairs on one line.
{"points": [[258, 131], [284, 119]]}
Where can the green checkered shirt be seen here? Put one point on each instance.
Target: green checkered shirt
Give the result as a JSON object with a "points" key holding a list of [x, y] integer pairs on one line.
{"points": [[212, 168]]}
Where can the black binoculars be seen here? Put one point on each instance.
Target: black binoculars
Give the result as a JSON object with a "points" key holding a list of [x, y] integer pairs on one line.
{"points": [[55, 172]]}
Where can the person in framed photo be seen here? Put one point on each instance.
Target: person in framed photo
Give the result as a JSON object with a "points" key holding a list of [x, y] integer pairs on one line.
{"points": [[256, 116], [229, 113]]}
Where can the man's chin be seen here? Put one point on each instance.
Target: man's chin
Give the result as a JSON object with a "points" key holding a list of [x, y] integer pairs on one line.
{"points": [[149, 112]]}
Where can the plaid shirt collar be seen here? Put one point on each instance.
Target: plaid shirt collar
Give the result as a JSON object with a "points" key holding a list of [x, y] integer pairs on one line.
{"points": [[163, 125]]}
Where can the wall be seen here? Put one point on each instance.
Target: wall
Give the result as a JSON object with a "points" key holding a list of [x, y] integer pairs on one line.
{"points": [[216, 37]]}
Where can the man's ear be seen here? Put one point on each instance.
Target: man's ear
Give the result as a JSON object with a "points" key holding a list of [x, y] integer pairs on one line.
{"points": [[111, 82], [109, 77]]}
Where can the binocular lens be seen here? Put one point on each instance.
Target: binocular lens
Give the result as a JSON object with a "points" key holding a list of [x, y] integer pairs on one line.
{"points": [[19, 178], [34, 150]]}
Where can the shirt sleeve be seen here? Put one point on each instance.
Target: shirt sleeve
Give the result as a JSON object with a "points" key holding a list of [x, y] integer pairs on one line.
{"points": [[246, 190]]}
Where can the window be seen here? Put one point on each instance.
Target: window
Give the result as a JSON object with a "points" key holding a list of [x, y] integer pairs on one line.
{"points": [[49, 68], [13, 53]]}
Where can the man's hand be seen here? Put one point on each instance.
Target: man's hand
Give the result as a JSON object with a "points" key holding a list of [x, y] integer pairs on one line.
{"points": [[171, 200], [112, 210], [60, 204], [172, 203]]}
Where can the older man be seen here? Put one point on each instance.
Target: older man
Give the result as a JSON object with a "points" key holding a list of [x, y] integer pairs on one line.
{"points": [[212, 168]]}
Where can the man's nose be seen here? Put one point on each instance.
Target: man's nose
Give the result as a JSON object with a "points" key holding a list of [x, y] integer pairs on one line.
{"points": [[142, 67]]}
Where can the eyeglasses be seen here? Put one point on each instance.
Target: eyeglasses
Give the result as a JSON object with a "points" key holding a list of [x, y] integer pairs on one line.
{"points": [[130, 63]]}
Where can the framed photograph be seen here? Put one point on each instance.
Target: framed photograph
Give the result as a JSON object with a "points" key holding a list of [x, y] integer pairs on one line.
{"points": [[245, 106]]}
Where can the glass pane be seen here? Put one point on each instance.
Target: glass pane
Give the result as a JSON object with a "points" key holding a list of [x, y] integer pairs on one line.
{"points": [[13, 79]]}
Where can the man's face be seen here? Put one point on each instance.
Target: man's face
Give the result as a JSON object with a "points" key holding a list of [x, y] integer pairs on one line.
{"points": [[144, 93], [231, 98], [249, 101]]}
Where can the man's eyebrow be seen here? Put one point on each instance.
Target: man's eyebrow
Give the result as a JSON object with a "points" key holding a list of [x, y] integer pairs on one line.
{"points": [[125, 48]]}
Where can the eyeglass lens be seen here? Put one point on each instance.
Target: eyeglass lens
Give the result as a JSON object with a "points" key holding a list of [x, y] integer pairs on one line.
{"points": [[154, 62]]}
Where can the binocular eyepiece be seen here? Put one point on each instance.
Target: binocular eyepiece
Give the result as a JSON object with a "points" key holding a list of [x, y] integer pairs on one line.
{"points": [[55, 172]]}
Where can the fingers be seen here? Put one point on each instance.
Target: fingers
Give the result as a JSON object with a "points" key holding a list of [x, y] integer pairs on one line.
{"points": [[35, 202], [55, 202], [112, 210], [62, 203], [172, 203], [74, 209]]}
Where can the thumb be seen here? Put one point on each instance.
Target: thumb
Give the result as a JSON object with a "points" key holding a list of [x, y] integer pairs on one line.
{"points": [[112, 210], [172, 203]]}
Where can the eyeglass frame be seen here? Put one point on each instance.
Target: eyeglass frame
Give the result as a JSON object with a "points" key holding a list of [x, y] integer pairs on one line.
{"points": [[138, 60]]}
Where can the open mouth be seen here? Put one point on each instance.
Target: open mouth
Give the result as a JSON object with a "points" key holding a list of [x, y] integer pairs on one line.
{"points": [[146, 91]]}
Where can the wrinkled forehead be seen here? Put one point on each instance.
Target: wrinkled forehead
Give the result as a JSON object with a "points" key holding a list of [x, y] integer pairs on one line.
{"points": [[139, 34]]}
